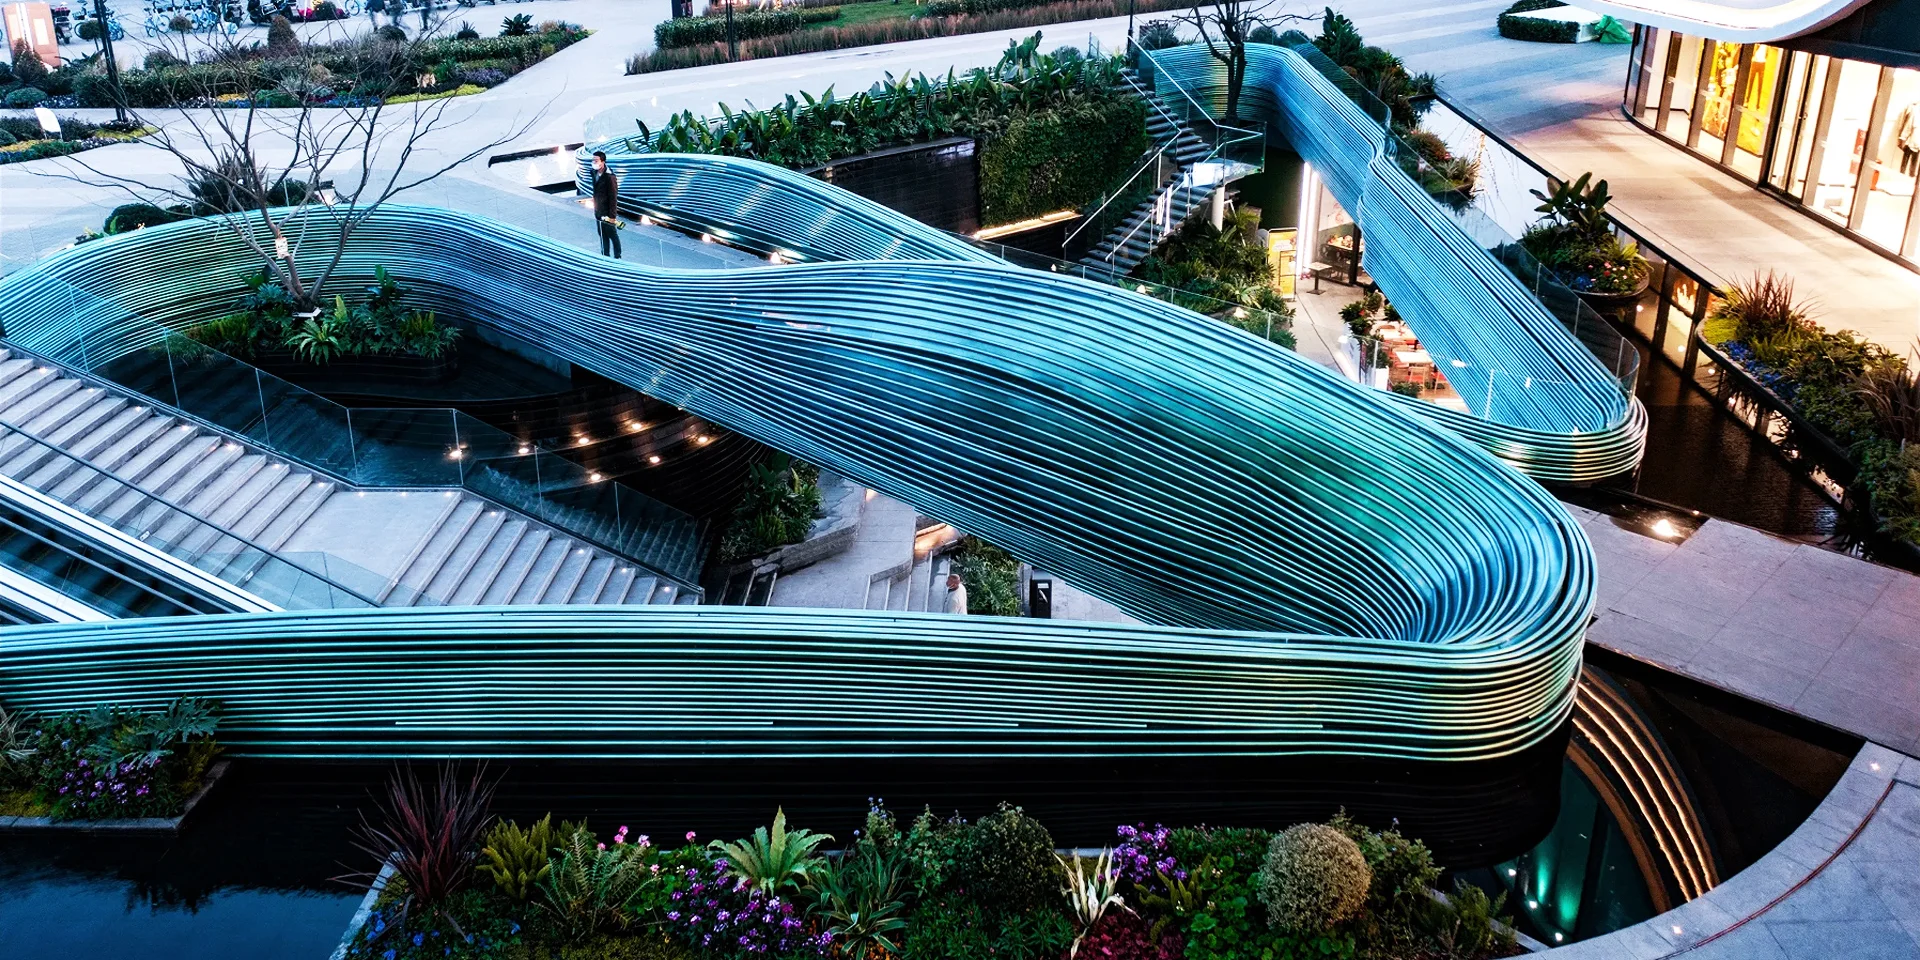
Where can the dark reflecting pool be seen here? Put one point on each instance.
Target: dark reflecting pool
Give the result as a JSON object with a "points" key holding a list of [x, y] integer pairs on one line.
{"points": [[1568, 824]]}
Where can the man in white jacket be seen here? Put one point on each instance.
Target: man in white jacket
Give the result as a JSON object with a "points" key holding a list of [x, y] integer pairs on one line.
{"points": [[956, 594]]}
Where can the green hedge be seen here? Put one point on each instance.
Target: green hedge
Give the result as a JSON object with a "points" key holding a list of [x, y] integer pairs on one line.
{"points": [[1538, 31], [953, 8], [687, 31], [1058, 159]]}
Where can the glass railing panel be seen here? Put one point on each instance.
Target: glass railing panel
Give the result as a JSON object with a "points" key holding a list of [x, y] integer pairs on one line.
{"points": [[215, 387], [405, 447], [306, 426]]}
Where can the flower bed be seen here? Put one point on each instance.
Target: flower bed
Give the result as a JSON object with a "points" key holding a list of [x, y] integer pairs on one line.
{"points": [[107, 763], [1053, 131], [351, 73], [933, 888], [1863, 397], [1212, 267], [829, 36], [22, 139]]}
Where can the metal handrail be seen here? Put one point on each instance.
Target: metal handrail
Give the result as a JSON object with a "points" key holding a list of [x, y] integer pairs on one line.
{"points": [[219, 530]]}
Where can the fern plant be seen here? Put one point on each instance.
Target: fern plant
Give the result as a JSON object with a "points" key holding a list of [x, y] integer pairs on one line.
{"points": [[1090, 895], [773, 860], [590, 886], [516, 858]]}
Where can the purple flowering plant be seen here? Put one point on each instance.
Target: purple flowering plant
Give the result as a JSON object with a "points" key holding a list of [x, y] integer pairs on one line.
{"points": [[114, 763], [710, 909], [1143, 855]]}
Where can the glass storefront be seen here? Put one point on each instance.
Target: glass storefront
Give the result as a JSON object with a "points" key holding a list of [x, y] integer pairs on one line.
{"points": [[1839, 138]]}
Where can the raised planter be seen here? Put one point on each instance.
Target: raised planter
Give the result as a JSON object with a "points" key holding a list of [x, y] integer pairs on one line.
{"points": [[131, 826], [1602, 300]]}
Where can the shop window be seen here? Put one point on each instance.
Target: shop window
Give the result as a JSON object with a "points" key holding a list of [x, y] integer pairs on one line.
{"points": [[1823, 79], [1793, 115], [1891, 156], [1844, 141], [1721, 76], [1649, 73], [1755, 109], [1683, 79]]}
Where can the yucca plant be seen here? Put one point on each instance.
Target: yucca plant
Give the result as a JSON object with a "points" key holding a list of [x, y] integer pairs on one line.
{"points": [[517, 858], [590, 885], [1090, 894], [862, 899], [429, 833], [773, 860]]}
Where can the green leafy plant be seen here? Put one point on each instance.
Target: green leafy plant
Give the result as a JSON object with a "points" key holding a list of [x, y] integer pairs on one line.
{"points": [[1090, 893], [778, 509], [517, 858], [518, 25], [591, 885], [1314, 877], [776, 859], [991, 575], [1468, 926], [862, 899], [1008, 863], [320, 340], [16, 749]]}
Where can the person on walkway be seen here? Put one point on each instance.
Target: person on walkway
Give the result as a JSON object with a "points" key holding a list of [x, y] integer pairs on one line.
{"points": [[956, 594], [606, 211]]}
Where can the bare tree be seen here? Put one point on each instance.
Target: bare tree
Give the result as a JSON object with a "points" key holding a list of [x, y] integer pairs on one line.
{"points": [[1225, 26], [290, 169]]}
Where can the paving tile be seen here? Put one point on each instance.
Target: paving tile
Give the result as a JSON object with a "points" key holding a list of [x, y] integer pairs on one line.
{"points": [[1815, 573], [1858, 712], [1831, 939], [1840, 892], [1644, 639], [1887, 624], [1789, 652], [1751, 942], [1671, 613], [1902, 595], [1732, 541], [1737, 670], [1823, 622], [1611, 541], [1753, 888], [1704, 583], [1887, 670]]}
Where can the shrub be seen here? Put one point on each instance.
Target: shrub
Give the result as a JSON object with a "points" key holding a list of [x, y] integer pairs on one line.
{"points": [[516, 859], [281, 41], [1061, 158], [161, 59], [28, 68], [862, 900], [483, 77], [1222, 864], [753, 24], [1007, 862], [391, 32], [90, 30], [991, 575], [25, 97], [466, 32], [1314, 878], [1515, 27], [133, 216], [112, 762], [778, 509], [180, 23], [1121, 935], [325, 10], [959, 928], [7, 139], [518, 25]]}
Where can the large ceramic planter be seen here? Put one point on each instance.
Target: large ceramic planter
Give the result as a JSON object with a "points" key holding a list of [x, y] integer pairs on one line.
{"points": [[1602, 300]]}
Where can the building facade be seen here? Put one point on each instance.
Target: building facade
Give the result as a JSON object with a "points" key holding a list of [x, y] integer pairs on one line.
{"points": [[1828, 121]]}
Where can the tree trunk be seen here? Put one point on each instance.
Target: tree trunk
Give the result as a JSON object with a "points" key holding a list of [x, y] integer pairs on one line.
{"points": [[1236, 75]]}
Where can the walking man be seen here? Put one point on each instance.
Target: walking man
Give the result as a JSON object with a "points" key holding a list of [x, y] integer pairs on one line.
{"points": [[956, 594], [606, 212]]}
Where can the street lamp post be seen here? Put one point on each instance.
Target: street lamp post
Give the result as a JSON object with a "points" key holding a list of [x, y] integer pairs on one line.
{"points": [[1130, 4], [730, 47], [113, 69]]}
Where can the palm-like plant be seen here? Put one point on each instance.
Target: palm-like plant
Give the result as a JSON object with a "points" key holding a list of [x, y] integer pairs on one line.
{"points": [[773, 860], [1892, 391], [1090, 894]]}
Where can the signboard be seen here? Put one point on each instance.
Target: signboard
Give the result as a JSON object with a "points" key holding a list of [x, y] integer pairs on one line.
{"points": [[1040, 598], [32, 24]]}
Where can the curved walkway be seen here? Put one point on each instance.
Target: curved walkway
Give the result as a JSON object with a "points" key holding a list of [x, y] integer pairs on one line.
{"points": [[1337, 574], [1538, 398]]}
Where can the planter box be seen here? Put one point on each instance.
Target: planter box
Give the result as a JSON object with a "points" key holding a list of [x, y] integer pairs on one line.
{"points": [[285, 365], [138, 825]]}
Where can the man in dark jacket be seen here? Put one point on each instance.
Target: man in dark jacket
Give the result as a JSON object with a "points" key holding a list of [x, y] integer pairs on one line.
{"points": [[606, 190]]}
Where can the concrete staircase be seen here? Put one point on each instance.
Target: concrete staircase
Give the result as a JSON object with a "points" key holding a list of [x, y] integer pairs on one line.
{"points": [[1153, 219], [919, 587], [465, 549]]}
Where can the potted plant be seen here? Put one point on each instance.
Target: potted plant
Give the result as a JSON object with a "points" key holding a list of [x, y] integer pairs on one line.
{"points": [[1575, 239]]}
